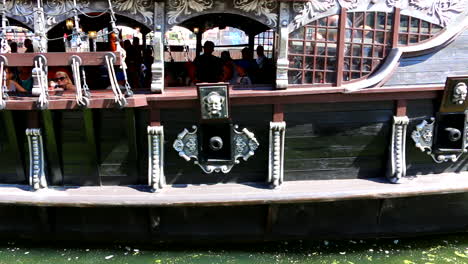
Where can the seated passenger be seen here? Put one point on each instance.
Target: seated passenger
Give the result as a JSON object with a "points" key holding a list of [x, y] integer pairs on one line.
{"points": [[248, 65], [209, 68], [265, 67], [64, 82], [11, 84], [24, 78], [230, 74]]}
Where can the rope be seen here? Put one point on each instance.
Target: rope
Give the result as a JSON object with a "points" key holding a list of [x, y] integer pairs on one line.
{"points": [[86, 91], [118, 96], [80, 99], [42, 101]]}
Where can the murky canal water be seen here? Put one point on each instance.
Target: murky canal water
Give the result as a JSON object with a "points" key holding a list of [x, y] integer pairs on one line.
{"points": [[452, 249]]}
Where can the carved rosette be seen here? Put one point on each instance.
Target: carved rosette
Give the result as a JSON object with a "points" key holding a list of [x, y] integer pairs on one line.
{"points": [[37, 178], [308, 11], [276, 156], [243, 142], [261, 8], [156, 177], [397, 168]]}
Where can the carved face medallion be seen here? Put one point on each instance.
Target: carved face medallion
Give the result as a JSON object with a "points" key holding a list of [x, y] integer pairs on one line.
{"points": [[459, 93], [214, 104]]}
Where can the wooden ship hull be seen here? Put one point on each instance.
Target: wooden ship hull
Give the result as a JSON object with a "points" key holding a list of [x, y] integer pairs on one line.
{"points": [[362, 156]]}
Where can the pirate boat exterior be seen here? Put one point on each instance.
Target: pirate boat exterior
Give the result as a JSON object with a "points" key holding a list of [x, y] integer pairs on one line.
{"points": [[362, 132]]}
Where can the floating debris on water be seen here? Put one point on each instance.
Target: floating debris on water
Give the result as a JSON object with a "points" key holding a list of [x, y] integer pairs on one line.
{"points": [[109, 257]]}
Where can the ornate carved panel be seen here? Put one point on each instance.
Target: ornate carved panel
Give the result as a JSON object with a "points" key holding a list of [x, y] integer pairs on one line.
{"points": [[397, 168], [276, 158]]}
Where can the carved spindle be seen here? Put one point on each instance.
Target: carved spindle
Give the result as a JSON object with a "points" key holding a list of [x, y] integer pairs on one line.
{"points": [[397, 168], [276, 157], [37, 178], [156, 177]]}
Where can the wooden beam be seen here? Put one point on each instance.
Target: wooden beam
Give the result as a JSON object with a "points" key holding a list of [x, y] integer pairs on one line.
{"points": [[132, 143], [396, 27], [278, 113], [54, 159], [401, 107], [59, 59], [15, 144], [341, 47], [232, 194]]}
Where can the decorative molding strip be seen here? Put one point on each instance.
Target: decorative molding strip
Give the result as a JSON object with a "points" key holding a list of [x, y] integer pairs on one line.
{"points": [[276, 156], [176, 8], [156, 177], [157, 68], [264, 8], [398, 149], [37, 178]]}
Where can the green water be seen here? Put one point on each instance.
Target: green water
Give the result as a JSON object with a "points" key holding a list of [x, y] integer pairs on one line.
{"points": [[452, 249]]}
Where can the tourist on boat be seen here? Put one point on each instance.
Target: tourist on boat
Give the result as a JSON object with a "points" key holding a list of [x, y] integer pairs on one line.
{"points": [[133, 62], [11, 84], [265, 67], [14, 47], [247, 67], [209, 68], [24, 78], [230, 74], [148, 60], [29, 46], [64, 82]]}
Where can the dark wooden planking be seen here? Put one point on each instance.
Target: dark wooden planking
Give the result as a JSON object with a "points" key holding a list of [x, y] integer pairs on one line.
{"points": [[14, 161], [427, 69], [237, 223], [79, 148], [54, 160], [133, 152]]}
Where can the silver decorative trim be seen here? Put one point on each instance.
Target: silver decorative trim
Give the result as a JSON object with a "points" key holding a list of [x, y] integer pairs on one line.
{"points": [[156, 178], [398, 149], [157, 68], [264, 8], [37, 178], [243, 142], [186, 7], [423, 135], [309, 11], [276, 156]]}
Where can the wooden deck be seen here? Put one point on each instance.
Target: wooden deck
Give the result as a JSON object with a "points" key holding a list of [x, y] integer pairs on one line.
{"points": [[235, 194]]}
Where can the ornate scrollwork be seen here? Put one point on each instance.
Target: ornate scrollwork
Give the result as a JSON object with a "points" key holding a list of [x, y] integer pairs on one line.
{"points": [[309, 10], [243, 142], [22, 9], [136, 7], [187, 144], [423, 135], [186, 7], [156, 159], [442, 9], [261, 8], [37, 178], [349, 4]]}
